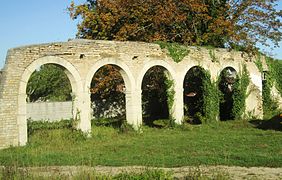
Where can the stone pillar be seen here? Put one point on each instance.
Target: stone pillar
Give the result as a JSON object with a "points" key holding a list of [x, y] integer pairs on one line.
{"points": [[83, 112], [21, 120], [178, 108], [134, 108]]}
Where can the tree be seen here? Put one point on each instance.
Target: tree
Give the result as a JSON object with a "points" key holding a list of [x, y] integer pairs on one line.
{"points": [[107, 92], [219, 23], [236, 24], [48, 83], [254, 21]]}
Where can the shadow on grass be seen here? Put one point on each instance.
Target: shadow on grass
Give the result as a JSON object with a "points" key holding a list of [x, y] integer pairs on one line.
{"points": [[275, 123], [109, 122]]}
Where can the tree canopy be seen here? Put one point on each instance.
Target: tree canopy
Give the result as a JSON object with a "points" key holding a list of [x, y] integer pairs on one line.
{"points": [[49, 83], [219, 23]]}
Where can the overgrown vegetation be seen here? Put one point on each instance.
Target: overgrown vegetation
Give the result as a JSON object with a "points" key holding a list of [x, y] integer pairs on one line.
{"points": [[49, 83], [275, 73], [211, 99], [200, 96], [176, 51], [273, 78], [221, 143], [33, 126], [258, 62], [170, 99], [212, 53], [240, 93]]}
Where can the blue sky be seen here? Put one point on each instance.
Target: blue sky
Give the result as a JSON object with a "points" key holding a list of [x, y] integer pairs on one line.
{"points": [[43, 21], [34, 22]]}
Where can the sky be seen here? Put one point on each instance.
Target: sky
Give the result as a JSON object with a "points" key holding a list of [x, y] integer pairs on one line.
{"points": [[43, 21], [34, 22]]}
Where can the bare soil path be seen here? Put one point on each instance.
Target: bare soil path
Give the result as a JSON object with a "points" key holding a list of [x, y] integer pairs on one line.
{"points": [[232, 172]]}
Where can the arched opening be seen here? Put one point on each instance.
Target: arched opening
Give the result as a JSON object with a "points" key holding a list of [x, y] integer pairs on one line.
{"points": [[73, 77], [227, 79], [49, 94], [49, 82], [108, 96], [194, 95], [155, 109]]}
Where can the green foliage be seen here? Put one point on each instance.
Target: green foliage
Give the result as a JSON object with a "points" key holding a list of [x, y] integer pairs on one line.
{"points": [[165, 123], [273, 78], [204, 107], [194, 84], [240, 93], [33, 126], [107, 122], [258, 63], [176, 51], [275, 73], [212, 55], [154, 95], [170, 93], [211, 99], [126, 128], [49, 83]]}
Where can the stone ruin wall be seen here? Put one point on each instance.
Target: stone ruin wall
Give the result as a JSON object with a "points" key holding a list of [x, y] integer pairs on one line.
{"points": [[82, 58]]}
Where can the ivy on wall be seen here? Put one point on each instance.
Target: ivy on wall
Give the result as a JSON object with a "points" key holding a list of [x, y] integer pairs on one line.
{"points": [[240, 93], [258, 62], [170, 99], [275, 73], [273, 78], [211, 98], [170, 94], [176, 51]]}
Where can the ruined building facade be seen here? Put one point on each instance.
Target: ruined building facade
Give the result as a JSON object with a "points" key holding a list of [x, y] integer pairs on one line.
{"points": [[82, 58]]}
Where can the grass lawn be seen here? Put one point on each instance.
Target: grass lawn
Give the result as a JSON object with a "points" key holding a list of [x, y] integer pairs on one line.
{"points": [[223, 143]]}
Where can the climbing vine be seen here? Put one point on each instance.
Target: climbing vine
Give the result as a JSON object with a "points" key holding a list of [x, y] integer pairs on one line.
{"points": [[176, 51], [170, 94], [275, 73], [240, 93], [170, 99], [273, 78], [258, 62], [211, 98], [203, 105]]}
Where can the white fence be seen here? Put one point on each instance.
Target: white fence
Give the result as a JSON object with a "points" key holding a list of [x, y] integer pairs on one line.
{"points": [[49, 111]]}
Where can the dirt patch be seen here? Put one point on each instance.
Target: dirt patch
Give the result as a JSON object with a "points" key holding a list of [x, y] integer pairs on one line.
{"points": [[232, 172]]}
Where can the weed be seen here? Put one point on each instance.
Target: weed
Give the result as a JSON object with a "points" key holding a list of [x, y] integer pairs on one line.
{"points": [[176, 51]]}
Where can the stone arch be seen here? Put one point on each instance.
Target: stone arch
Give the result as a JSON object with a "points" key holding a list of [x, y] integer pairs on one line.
{"points": [[194, 93], [186, 68], [124, 71], [232, 66], [128, 81], [227, 77], [72, 74], [171, 75], [151, 64]]}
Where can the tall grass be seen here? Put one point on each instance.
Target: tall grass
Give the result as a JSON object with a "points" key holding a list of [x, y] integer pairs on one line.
{"points": [[221, 143]]}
